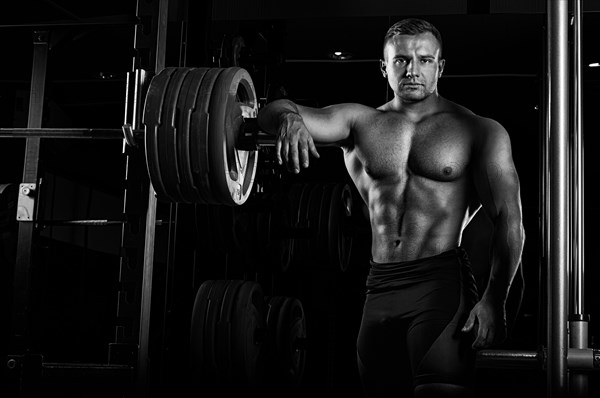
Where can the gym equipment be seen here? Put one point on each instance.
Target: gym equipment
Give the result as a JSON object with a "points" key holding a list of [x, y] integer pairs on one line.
{"points": [[241, 339], [192, 119]]}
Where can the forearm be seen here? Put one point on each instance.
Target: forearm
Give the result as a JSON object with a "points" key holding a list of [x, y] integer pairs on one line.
{"points": [[506, 251], [269, 116]]}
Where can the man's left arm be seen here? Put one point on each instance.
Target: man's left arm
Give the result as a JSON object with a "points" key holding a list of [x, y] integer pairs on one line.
{"points": [[497, 184]]}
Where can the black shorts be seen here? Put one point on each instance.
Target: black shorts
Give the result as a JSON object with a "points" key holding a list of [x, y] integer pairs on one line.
{"points": [[410, 332]]}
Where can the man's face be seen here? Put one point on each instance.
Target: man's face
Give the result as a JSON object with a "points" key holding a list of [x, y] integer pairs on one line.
{"points": [[412, 65]]}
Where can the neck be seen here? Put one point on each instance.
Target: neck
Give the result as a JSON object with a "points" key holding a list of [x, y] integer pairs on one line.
{"points": [[417, 109]]}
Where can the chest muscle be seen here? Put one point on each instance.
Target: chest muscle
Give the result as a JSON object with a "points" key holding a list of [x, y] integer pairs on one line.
{"points": [[436, 152]]}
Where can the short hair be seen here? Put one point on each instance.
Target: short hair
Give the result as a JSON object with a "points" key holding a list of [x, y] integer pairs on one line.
{"points": [[412, 26]]}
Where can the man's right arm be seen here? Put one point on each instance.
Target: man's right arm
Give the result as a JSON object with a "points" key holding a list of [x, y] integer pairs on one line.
{"points": [[298, 127]]}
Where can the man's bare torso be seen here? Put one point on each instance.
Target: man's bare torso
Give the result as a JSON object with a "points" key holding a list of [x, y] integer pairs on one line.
{"points": [[415, 177]]}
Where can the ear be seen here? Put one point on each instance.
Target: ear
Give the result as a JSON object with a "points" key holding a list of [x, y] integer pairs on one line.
{"points": [[442, 64], [382, 67]]}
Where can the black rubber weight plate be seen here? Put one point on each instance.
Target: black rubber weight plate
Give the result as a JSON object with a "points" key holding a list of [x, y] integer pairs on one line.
{"points": [[152, 119], [167, 148], [198, 330], [199, 136], [232, 171], [186, 106]]}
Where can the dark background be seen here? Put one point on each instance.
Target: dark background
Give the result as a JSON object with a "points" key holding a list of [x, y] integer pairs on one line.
{"points": [[495, 65]]}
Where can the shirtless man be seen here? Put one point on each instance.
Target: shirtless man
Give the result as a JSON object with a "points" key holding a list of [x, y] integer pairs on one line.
{"points": [[424, 166]]}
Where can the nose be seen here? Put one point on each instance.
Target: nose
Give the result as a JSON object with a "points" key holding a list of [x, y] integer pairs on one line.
{"points": [[411, 69]]}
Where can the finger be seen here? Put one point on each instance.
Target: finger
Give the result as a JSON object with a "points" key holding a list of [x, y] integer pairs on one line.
{"points": [[293, 158], [480, 341], [278, 150], [469, 323], [304, 158], [490, 338], [313, 148], [285, 149]]}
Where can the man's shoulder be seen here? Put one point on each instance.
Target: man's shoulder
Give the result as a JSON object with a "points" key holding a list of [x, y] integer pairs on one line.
{"points": [[355, 109], [478, 122]]}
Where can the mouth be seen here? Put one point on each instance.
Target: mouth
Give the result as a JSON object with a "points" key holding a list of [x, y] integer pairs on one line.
{"points": [[410, 85]]}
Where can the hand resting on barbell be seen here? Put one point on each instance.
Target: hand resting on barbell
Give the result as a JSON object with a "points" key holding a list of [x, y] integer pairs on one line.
{"points": [[301, 129], [294, 142]]}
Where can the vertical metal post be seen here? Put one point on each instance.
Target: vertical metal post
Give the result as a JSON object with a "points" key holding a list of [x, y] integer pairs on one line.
{"points": [[20, 323], [557, 13], [146, 298], [578, 322]]}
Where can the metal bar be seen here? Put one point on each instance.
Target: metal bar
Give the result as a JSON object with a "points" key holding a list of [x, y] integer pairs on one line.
{"points": [[509, 359], [20, 323], [105, 21], [580, 359], [83, 223], [100, 134], [544, 202], [578, 336], [143, 382], [556, 371], [578, 227]]}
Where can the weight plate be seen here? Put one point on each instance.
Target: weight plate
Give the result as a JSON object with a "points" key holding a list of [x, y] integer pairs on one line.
{"points": [[224, 332], [274, 304], [166, 137], [152, 119], [217, 229], [232, 171], [248, 321], [185, 108], [294, 195], [323, 234], [287, 335], [261, 219], [303, 242], [198, 346], [9, 197], [173, 173], [291, 328], [279, 231], [212, 336], [314, 203], [199, 136], [228, 229], [340, 244]]}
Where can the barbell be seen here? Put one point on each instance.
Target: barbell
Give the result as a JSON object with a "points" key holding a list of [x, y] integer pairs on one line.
{"points": [[201, 142], [201, 138]]}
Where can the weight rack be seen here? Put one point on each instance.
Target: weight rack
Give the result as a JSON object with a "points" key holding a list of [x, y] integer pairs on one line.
{"points": [[127, 369]]}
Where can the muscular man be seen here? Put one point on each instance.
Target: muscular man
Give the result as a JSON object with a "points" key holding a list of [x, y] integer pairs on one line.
{"points": [[424, 166]]}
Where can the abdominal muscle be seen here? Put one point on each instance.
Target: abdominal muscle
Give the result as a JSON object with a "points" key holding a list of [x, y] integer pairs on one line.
{"points": [[414, 219]]}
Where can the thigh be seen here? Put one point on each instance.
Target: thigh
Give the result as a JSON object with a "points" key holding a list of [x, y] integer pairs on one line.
{"points": [[440, 352], [382, 356]]}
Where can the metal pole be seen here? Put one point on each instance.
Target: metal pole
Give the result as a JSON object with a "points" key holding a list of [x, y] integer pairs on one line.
{"points": [[24, 266], [143, 371], [578, 287], [556, 371], [578, 338]]}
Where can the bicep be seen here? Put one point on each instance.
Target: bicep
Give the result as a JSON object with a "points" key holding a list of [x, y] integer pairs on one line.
{"points": [[496, 177], [331, 124]]}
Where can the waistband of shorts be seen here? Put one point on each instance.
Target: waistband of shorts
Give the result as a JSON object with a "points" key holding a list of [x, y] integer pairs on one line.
{"points": [[390, 276], [457, 251]]}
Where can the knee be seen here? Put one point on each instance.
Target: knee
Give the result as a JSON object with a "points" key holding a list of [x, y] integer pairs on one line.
{"points": [[442, 390]]}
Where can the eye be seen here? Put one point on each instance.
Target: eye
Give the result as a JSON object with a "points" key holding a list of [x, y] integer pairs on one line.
{"points": [[400, 61], [426, 60]]}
